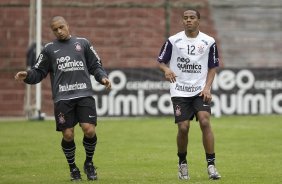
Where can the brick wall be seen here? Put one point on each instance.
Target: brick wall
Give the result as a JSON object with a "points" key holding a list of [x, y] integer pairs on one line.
{"points": [[125, 33]]}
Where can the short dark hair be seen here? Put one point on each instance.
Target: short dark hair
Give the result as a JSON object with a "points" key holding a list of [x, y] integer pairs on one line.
{"points": [[197, 12]]}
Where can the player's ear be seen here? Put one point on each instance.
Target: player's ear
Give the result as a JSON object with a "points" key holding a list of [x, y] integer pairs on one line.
{"points": [[198, 22]]}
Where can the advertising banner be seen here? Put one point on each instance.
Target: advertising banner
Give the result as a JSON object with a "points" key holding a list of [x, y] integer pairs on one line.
{"points": [[144, 92]]}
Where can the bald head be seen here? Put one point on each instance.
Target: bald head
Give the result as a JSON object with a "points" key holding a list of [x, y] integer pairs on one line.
{"points": [[58, 18], [60, 28]]}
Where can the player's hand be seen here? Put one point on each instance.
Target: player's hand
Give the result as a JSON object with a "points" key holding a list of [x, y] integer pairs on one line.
{"points": [[21, 75], [170, 76], [206, 94], [107, 83]]}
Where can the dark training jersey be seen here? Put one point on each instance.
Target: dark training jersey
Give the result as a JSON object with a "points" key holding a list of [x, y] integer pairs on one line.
{"points": [[70, 63]]}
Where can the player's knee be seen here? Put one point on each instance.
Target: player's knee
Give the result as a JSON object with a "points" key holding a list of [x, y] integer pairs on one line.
{"points": [[89, 134], [89, 131], [205, 124], [68, 134], [68, 137], [183, 128]]}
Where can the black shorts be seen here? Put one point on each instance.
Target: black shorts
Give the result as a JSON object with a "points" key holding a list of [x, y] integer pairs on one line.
{"points": [[185, 108], [69, 112]]}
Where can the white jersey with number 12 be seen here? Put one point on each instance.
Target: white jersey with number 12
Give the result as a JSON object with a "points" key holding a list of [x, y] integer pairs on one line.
{"points": [[189, 59]]}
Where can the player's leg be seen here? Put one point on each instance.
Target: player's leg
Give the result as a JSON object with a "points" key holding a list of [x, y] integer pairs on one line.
{"points": [[182, 144], [182, 140], [65, 122], [87, 117], [208, 142], [69, 147], [203, 116], [181, 107], [207, 135], [89, 140], [89, 143]]}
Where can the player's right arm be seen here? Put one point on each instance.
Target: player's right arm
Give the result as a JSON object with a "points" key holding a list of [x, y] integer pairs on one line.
{"points": [[164, 59], [168, 73], [38, 72], [20, 76]]}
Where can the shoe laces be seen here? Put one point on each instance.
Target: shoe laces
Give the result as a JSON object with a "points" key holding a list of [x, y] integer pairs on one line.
{"points": [[212, 170], [183, 169], [89, 167], [75, 172]]}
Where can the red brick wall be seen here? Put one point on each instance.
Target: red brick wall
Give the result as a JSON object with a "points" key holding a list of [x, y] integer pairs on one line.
{"points": [[125, 33]]}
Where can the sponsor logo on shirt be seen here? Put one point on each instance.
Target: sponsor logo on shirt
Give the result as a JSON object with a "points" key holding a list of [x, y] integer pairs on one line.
{"points": [[72, 87], [185, 88], [184, 65], [65, 64], [183, 60]]}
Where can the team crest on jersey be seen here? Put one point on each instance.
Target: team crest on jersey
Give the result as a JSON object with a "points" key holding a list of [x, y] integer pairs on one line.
{"points": [[61, 118], [177, 111], [77, 47], [201, 49]]}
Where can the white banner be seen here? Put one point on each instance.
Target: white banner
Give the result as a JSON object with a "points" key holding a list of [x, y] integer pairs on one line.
{"points": [[143, 92]]}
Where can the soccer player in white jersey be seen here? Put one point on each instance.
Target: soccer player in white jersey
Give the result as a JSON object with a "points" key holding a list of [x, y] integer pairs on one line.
{"points": [[188, 60]]}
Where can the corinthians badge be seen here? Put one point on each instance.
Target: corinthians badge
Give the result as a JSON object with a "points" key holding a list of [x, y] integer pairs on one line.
{"points": [[77, 47], [61, 118], [177, 110]]}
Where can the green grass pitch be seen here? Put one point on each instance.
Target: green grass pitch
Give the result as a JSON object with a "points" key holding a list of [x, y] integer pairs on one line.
{"points": [[143, 150]]}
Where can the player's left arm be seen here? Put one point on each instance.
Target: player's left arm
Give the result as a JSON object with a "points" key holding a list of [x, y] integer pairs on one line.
{"points": [[213, 63], [206, 93], [94, 66]]}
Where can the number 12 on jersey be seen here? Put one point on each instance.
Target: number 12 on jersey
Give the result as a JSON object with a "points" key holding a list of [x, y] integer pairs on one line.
{"points": [[191, 49]]}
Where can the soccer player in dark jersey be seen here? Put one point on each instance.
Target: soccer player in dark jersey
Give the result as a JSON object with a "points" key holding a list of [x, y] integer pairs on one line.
{"points": [[70, 60], [188, 60]]}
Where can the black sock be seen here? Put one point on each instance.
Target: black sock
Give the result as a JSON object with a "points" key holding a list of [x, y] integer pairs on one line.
{"points": [[89, 146], [182, 158], [210, 159], [69, 151]]}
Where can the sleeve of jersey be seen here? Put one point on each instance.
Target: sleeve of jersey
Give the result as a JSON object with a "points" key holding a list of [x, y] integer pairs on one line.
{"points": [[165, 53], [213, 57], [39, 71], [94, 64]]}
